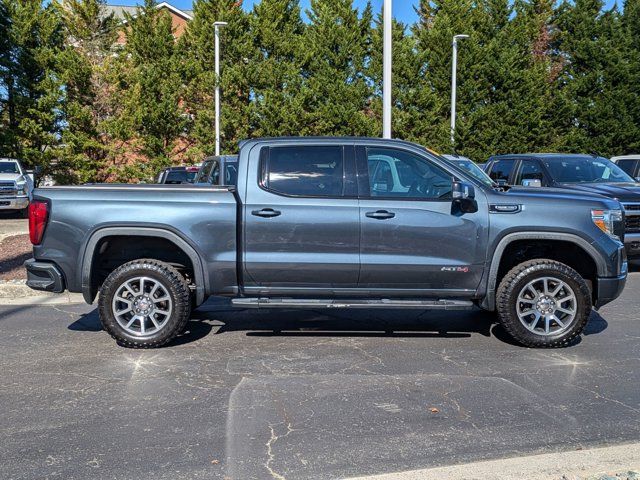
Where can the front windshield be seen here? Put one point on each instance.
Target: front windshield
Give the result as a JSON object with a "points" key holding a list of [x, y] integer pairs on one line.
{"points": [[9, 167], [585, 170], [474, 170]]}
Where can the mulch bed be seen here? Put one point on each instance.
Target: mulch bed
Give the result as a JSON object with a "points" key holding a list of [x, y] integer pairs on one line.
{"points": [[14, 251]]}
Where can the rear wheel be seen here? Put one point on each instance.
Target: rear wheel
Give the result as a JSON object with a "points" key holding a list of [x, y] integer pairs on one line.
{"points": [[144, 304], [543, 303]]}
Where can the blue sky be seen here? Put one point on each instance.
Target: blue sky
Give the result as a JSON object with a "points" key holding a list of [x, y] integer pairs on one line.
{"points": [[403, 10]]}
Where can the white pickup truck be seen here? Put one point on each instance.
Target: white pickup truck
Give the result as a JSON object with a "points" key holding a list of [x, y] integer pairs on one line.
{"points": [[16, 186]]}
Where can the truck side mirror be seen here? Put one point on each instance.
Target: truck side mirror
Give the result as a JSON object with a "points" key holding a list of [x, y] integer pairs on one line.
{"points": [[532, 182], [464, 196], [501, 182]]}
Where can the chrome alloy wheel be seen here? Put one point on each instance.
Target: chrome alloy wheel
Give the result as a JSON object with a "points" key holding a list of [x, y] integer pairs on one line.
{"points": [[547, 306], [142, 306]]}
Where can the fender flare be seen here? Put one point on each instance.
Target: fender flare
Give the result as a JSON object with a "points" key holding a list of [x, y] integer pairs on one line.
{"points": [[94, 239], [489, 301]]}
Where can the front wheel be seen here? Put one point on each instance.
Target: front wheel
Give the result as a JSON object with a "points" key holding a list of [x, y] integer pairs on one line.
{"points": [[543, 303], [144, 304]]}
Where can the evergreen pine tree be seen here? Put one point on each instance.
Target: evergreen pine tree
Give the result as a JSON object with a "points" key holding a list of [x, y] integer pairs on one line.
{"points": [[277, 106], [31, 89], [236, 59], [89, 36], [337, 92], [149, 86], [595, 78], [416, 106]]}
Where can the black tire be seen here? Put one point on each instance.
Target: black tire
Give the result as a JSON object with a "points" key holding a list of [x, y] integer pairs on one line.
{"points": [[24, 213], [517, 279], [173, 283]]}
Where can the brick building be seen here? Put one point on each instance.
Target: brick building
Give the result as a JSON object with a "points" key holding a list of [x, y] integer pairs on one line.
{"points": [[179, 18]]}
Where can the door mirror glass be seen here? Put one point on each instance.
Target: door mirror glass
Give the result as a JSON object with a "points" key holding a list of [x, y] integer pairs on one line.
{"points": [[464, 197], [532, 182], [463, 190]]}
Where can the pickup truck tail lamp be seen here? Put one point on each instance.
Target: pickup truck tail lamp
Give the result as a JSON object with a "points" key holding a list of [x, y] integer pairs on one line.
{"points": [[38, 215], [610, 222]]}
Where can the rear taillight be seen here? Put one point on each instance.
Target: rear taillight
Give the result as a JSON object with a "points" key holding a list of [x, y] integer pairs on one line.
{"points": [[38, 213]]}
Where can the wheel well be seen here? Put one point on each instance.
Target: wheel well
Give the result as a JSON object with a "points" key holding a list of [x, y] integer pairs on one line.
{"points": [[113, 251], [565, 252]]}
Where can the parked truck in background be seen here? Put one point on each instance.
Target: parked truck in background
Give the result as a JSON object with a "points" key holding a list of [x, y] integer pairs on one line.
{"points": [[333, 223], [16, 186], [630, 164], [580, 173]]}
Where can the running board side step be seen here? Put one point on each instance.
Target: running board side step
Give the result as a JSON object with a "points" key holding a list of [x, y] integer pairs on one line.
{"points": [[378, 303]]}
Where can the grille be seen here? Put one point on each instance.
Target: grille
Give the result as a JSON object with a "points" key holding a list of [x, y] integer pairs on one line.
{"points": [[634, 207], [8, 189], [632, 224]]}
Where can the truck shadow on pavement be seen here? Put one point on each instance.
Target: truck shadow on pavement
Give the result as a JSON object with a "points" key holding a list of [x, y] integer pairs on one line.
{"points": [[217, 320]]}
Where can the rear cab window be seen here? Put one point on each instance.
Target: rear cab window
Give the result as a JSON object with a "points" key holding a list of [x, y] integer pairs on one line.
{"points": [[306, 170]]}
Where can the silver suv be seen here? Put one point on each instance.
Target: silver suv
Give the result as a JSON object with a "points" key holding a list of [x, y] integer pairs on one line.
{"points": [[16, 186]]}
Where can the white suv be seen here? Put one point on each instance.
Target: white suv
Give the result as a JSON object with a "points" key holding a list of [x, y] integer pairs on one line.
{"points": [[16, 186]]}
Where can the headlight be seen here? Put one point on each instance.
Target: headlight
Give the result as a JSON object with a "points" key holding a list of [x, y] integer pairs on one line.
{"points": [[606, 221], [23, 189]]}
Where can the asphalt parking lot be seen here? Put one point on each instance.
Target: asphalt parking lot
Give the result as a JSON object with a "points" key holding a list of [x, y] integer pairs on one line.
{"points": [[305, 394]]}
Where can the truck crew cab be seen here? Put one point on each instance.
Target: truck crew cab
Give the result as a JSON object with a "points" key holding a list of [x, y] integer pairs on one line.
{"points": [[336, 223]]}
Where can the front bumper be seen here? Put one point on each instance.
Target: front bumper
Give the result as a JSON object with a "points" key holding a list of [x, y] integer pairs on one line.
{"points": [[44, 276], [632, 245], [608, 289], [14, 203]]}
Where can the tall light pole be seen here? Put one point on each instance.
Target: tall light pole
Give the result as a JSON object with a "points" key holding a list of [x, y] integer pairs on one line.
{"points": [[216, 27], [386, 69], [454, 86]]}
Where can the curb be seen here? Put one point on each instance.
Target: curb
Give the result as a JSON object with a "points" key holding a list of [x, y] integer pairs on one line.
{"points": [[16, 292], [595, 463]]}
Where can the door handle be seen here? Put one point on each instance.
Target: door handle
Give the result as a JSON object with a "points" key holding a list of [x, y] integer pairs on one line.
{"points": [[266, 213], [380, 215]]}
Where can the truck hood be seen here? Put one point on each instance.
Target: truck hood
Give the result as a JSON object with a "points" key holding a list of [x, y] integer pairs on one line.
{"points": [[11, 177], [625, 192], [548, 195]]}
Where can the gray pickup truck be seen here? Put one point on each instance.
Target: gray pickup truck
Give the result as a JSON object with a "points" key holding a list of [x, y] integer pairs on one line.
{"points": [[335, 223]]}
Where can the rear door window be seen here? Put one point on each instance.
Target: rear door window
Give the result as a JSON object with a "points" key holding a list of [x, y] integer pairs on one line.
{"points": [[230, 174], [501, 170], [629, 166], [204, 175], [530, 170], [308, 171]]}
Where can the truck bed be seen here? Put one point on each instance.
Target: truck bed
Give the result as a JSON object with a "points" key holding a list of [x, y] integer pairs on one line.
{"points": [[203, 216]]}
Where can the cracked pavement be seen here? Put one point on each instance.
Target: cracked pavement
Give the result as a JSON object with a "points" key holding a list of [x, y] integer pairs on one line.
{"points": [[310, 394]]}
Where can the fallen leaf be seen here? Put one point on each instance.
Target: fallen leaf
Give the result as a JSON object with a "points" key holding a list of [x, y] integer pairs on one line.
{"points": [[215, 462], [434, 410]]}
